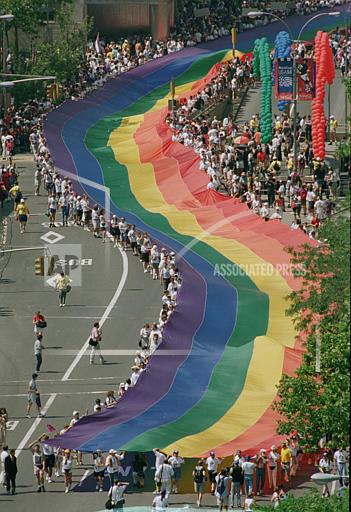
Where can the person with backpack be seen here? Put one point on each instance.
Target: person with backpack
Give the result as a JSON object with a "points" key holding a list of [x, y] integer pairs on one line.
{"points": [[199, 477], [222, 489], [237, 476]]}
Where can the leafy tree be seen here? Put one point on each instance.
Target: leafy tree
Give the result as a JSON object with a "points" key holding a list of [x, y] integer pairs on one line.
{"points": [[318, 404], [28, 15], [61, 58]]}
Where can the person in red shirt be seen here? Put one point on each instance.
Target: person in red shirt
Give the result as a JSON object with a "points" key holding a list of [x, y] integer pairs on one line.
{"points": [[303, 194], [38, 318], [3, 193], [5, 178], [261, 159]]}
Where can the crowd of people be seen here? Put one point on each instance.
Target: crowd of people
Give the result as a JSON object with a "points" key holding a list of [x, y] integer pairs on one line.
{"points": [[244, 169], [264, 176], [233, 482]]}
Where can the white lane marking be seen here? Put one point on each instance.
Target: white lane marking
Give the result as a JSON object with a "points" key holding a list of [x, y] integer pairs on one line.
{"points": [[119, 352], [74, 317], [16, 395], [51, 237], [84, 477], [11, 425], [23, 249], [54, 380], [104, 316], [33, 427]]}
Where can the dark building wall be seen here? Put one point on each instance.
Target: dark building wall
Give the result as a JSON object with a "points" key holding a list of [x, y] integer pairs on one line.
{"points": [[120, 16]]}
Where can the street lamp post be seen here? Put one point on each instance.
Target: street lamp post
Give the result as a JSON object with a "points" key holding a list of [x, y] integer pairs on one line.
{"points": [[11, 83], [260, 13], [5, 18]]}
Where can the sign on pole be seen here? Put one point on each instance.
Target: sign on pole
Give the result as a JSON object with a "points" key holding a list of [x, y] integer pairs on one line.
{"points": [[172, 89], [284, 79], [305, 76]]}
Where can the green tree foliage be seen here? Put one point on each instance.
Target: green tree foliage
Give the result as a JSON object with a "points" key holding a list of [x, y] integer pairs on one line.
{"points": [[312, 502], [318, 404], [28, 15], [61, 58]]}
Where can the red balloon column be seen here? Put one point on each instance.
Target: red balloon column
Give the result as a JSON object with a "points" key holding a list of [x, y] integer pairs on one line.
{"points": [[325, 73]]}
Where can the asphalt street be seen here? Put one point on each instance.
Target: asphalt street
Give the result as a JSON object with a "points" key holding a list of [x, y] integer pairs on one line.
{"points": [[107, 284]]}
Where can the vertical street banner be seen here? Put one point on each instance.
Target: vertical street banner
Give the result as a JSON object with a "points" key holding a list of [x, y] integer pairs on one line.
{"points": [[284, 79], [305, 77]]}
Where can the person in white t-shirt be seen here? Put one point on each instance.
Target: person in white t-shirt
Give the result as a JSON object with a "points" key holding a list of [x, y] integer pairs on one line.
{"points": [[67, 469], [4, 453], [248, 470], [212, 466], [116, 494], [325, 466], [113, 465], [160, 502], [341, 459], [273, 458], [160, 457], [176, 462], [163, 476]]}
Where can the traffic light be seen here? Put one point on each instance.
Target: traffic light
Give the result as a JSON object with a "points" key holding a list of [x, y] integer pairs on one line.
{"points": [[50, 91], [56, 91], [51, 265], [39, 266]]}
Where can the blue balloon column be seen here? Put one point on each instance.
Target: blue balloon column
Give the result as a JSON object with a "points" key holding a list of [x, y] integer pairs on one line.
{"points": [[263, 70], [282, 50]]}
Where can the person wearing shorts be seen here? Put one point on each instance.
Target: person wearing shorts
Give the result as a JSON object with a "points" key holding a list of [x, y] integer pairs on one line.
{"points": [[33, 396], [133, 240], [95, 221], [102, 222], [123, 228], [22, 212], [67, 469], [99, 470], [145, 256], [212, 464], [199, 477], [114, 230], [38, 464], [49, 458], [176, 463]]}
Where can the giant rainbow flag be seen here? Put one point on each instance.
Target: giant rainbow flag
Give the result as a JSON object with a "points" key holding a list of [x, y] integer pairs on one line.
{"points": [[230, 335]]}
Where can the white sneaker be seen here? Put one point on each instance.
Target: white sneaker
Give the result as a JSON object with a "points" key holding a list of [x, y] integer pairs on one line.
{"points": [[66, 491], [49, 481]]}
